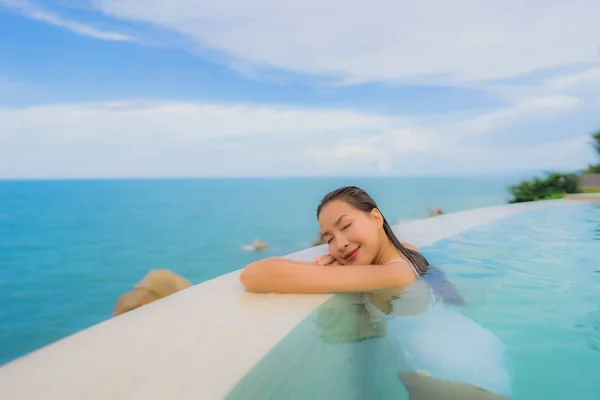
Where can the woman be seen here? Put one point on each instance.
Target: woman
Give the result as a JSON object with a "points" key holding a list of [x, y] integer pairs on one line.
{"points": [[440, 353]]}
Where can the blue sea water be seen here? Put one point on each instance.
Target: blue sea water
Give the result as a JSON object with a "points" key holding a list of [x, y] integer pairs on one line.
{"points": [[533, 279], [68, 249]]}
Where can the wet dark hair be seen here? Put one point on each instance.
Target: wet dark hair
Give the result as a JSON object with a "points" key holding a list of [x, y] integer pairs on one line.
{"points": [[360, 200]]}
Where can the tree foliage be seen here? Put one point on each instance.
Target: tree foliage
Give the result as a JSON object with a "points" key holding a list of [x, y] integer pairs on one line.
{"points": [[596, 142], [553, 185], [595, 168]]}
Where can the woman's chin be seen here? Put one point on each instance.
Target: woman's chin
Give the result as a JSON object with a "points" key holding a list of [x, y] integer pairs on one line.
{"points": [[356, 261]]}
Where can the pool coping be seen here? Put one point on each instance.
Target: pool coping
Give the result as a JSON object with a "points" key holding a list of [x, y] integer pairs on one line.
{"points": [[181, 347], [591, 197]]}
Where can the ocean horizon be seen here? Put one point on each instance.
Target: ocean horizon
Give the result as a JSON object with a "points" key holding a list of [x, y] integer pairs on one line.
{"points": [[510, 175], [70, 248]]}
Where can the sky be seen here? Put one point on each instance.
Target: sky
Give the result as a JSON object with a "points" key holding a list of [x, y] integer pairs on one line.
{"points": [[188, 88]]}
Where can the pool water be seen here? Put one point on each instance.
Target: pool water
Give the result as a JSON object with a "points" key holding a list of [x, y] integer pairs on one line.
{"points": [[532, 278]]}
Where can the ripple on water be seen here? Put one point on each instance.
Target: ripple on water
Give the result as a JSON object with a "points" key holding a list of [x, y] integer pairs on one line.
{"points": [[534, 279]]}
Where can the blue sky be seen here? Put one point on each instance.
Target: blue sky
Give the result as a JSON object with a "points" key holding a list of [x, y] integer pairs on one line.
{"points": [[107, 88]]}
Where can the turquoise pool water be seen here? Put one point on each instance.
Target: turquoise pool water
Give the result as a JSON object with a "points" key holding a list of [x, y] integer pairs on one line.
{"points": [[533, 279]]}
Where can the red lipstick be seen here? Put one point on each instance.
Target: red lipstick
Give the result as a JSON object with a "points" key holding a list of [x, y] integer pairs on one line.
{"points": [[352, 255]]}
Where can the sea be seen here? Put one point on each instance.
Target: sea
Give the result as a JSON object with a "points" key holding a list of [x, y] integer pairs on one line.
{"points": [[70, 248]]}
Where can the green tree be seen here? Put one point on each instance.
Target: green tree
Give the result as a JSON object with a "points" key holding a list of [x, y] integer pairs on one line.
{"points": [[594, 168], [554, 185], [596, 142]]}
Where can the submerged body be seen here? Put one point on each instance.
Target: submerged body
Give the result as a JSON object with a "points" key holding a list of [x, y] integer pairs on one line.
{"points": [[439, 352], [433, 342]]}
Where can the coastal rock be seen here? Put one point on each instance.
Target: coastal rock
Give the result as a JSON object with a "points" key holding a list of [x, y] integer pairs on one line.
{"points": [[258, 244], [435, 211], [156, 285]]}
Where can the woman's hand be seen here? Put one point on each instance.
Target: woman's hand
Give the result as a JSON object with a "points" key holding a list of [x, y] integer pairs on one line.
{"points": [[326, 260]]}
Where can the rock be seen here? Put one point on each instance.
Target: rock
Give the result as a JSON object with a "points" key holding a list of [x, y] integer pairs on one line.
{"points": [[259, 244], [435, 211], [156, 285]]}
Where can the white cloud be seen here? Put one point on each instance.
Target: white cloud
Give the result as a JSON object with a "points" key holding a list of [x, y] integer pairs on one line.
{"points": [[451, 41], [354, 155], [585, 77], [458, 156], [565, 154], [141, 138], [531, 107], [189, 122], [31, 11], [150, 138], [176, 138], [564, 90]]}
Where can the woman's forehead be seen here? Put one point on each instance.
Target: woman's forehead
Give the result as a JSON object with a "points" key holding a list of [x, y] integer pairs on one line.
{"points": [[334, 210]]}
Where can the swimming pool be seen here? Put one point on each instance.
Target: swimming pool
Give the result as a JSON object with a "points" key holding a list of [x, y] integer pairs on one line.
{"points": [[532, 278], [529, 272]]}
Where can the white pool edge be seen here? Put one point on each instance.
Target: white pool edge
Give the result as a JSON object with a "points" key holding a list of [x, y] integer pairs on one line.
{"points": [[197, 343]]}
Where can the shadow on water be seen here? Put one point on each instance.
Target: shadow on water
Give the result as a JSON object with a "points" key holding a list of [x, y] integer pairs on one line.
{"points": [[331, 354]]}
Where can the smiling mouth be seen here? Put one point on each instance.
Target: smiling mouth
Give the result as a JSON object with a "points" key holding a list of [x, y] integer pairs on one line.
{"points": [[352, 254]]}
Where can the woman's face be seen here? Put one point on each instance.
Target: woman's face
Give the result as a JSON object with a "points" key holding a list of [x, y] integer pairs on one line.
{"points": [[353, 236]]}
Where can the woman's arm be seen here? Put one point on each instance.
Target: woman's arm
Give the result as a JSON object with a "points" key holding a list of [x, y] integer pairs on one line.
{"points": [[278, 275]]}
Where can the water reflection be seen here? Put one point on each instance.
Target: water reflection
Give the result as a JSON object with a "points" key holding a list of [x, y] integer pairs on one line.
{"points": [[337, 352], [438, 350], [372, 369], [377, 346]]}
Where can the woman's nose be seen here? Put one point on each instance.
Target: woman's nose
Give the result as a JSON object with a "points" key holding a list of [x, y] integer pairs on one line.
{"points": [[342, 243]]}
